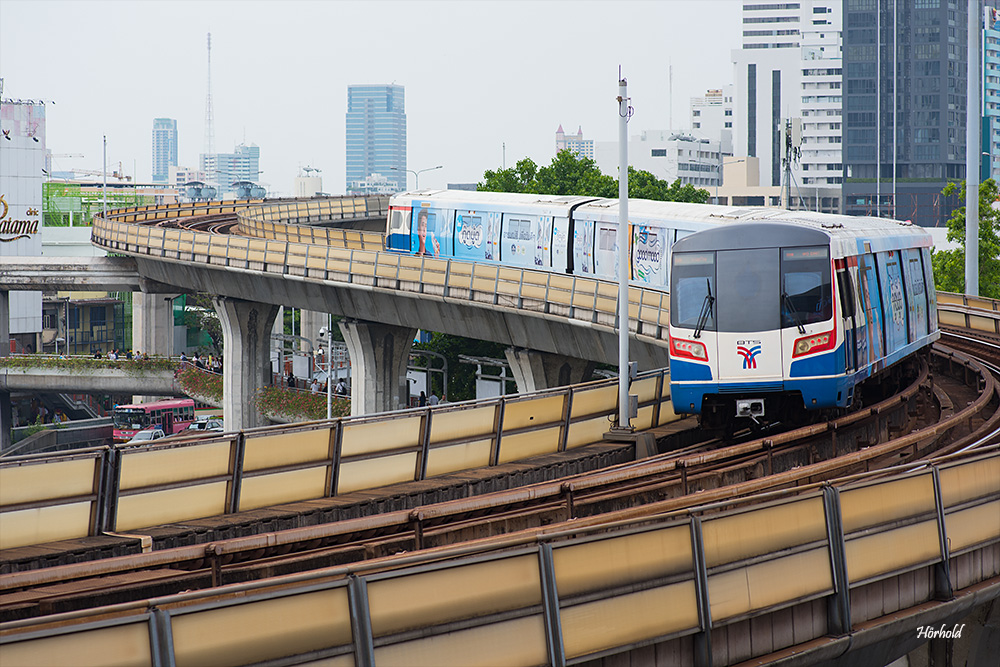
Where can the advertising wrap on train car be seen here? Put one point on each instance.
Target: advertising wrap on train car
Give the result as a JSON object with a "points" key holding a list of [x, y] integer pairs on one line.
{"points": [[430, 231], [649, 255], [476, 234]]}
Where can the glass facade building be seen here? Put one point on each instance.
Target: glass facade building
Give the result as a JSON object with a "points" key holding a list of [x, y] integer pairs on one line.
{"points": [[164, 148], [243, 164], [991, 91], [376, 134], [910, 57]]}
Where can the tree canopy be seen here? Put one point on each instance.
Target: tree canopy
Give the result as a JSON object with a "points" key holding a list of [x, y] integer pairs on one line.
{"points": [[569, 174], [949, 265]]}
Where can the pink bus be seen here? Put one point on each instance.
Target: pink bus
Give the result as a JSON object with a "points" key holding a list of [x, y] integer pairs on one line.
{"points": [[172, 416]]}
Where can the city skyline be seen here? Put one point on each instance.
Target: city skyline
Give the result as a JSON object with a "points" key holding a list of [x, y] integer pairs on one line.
{"points": [[499, 72]]}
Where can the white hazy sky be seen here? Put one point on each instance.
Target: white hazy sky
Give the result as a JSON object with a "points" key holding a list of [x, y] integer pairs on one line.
{"points": [[477, 74]]}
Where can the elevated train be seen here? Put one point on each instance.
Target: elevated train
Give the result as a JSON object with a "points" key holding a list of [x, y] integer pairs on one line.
{"points": [[773, 312]]}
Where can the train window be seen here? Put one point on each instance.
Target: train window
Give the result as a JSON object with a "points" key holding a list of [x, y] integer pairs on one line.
{"points": [[692, 290], [748, 286], [607, 239], [399, 220], [806, 286]]}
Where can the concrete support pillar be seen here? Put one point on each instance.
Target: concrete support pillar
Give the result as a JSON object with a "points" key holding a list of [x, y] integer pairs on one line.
{"points": [[379, 354], [153, 323], [534, 370], [6, 416], [312, 322], [246, 359]]}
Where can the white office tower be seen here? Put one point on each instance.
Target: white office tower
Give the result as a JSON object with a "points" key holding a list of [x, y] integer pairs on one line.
{"points": [[308, 183], [712, 117], [790, 66]]}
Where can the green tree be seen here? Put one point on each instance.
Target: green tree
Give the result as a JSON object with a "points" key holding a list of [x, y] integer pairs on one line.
{"points": [[200, 314], [461, 377], [949, 265], [570, 174]]}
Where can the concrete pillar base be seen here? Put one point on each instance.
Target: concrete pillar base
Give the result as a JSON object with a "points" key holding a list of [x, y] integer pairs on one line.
{"points": [[246, 359], [379, 354], [534, 370]]}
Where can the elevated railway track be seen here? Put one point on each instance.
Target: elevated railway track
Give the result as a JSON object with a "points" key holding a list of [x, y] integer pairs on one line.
{"points": [[680, 558]]}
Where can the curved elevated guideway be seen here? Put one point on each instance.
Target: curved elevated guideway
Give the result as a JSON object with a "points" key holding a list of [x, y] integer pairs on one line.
{"points": [[842, 572]]}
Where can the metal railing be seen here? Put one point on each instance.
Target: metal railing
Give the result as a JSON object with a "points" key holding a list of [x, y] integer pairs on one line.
{"points": [[132, 486], [969, 312], [568, 597]]}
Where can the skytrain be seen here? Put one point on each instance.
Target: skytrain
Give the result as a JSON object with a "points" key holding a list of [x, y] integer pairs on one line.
{"points": [[774, 313]]}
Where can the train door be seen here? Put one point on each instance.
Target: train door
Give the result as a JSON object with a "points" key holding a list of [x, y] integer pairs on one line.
{"points": [[560, 244], [749, 339], [845, 290], [872, 307], [893, 300], [606, 250], [916, 293], [583, 246]]}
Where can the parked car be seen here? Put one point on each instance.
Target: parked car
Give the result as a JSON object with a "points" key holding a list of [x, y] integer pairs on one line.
{"points": [[147, 435]]}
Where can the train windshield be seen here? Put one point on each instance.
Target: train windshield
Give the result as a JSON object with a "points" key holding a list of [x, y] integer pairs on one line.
{"points": [[692, 289], [748, 283], [806, 286]]}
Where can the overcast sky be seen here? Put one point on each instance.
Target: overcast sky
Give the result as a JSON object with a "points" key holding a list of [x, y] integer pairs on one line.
{"points": [[477, 75]]}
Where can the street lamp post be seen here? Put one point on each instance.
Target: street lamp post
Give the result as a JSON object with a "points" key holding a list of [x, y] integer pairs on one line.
{"points": [[416, 174]]}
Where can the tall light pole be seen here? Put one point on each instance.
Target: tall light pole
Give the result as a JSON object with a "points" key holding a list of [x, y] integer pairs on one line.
{"points": [[624, 374], [416, 174]]}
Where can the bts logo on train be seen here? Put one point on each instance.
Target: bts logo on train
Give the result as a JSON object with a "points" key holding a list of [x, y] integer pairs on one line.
{"points": [[748, 349]]}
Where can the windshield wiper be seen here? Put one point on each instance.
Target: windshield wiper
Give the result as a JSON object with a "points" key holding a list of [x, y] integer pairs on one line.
{"points": [[706, 309], [791, 312]]}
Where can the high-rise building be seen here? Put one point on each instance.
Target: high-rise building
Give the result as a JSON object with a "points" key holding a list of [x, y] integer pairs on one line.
{"points": [[991, 91], [164, 148], [896, 163], [666, 155], [376, 135], [242, 165], [574, 143], [712, 117], [790, 67]]}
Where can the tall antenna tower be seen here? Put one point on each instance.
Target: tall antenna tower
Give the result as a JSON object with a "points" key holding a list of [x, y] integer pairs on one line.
{"points": [[210, 165]]}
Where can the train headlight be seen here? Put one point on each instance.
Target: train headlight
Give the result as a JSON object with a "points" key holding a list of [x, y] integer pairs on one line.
{"points": [[688, 349], [816, 343]]}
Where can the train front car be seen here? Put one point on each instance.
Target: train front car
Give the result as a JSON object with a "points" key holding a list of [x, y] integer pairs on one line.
{"points": [[753, 332]]}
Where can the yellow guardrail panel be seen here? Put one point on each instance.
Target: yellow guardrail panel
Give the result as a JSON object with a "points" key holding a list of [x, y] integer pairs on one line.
{"points": [[735, 537], [283, 487], [625, 619], [594, 400], [465, 423], [951, 318], [380, 436], [46, 481], [645, 388], [158, 507], [269, 451], [436, 597], [886, 501], [25, 527], [533, 412], [588, 431], [769, 583], [973, 525], [472, 454], [966, 481], [373, 473], [153, 466], [520, 446], [515, 643], [878, 553], [116, 646], [434, 271], [262, 630], [618, 561]]}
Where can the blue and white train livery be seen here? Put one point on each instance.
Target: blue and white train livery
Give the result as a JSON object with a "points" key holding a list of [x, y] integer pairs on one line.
{"points": [[564, 234], [773, 312]]}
